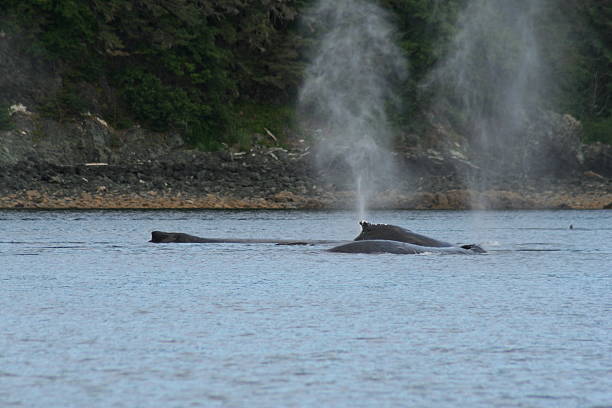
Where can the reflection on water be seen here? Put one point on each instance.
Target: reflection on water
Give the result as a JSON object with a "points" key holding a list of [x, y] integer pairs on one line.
{"points": [[100, 317]]}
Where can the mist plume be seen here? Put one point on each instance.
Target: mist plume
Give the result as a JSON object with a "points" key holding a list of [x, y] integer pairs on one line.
{"points": [[347, 93]]}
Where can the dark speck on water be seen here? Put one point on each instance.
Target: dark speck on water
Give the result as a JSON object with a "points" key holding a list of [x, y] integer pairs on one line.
{"points": [[102, 318]]}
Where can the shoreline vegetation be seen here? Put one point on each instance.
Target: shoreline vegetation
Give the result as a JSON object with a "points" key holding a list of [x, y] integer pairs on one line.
{"points": [[157, 104]]}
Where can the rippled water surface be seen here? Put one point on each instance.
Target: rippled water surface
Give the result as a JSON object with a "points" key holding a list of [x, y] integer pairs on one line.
{"points": [[92, 315]]}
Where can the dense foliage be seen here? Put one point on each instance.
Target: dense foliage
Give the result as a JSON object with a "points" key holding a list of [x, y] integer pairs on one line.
{"points": [[212, 69], [588, 92], [5, 118]]}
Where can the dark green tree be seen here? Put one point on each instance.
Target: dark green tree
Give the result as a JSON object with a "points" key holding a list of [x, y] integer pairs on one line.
{"points": [[208, 67]]}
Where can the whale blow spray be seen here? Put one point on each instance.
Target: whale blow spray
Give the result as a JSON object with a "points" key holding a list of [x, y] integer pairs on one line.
{"points": [[496, 78], [347, 93]]}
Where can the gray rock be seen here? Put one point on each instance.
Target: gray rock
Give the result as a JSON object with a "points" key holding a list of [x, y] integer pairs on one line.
{"points": [[598, 158], [552, 145]]}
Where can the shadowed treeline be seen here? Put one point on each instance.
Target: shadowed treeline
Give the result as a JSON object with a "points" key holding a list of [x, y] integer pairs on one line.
{"points": [[224, 71]]}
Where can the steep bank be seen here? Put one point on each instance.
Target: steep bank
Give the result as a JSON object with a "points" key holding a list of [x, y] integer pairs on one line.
{"points": [[86, 164]]}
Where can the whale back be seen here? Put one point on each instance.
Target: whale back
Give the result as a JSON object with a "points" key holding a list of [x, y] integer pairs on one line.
{"points": [[396, 247], [377, 247], [161, 237], [176, 237], [394, 233]]}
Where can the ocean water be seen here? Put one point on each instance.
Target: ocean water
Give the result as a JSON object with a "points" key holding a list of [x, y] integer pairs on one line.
{"points": [[93, 315]]}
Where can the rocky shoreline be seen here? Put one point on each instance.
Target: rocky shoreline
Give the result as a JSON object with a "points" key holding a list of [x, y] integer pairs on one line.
{"points": [[452, 200], [266, 179], [87, 165]]}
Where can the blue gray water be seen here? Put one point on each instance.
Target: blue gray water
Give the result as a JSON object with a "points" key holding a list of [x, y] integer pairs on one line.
{"points": [[92, 315]]}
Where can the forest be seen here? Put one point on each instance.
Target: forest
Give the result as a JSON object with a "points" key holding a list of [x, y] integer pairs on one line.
{"points": [[219, 71]]}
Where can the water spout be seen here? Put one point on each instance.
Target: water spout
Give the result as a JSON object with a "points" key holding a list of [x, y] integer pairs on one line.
{"points": [[361, 200], [347, 93], [492, 81]]}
